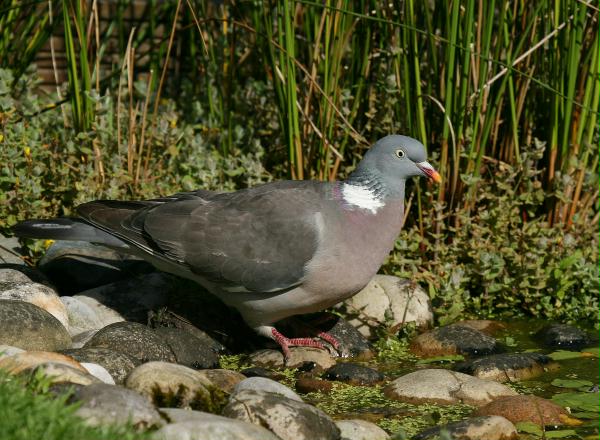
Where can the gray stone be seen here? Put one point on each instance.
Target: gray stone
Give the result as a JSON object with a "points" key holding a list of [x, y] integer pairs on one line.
{"points": [[17, 273], [38, 294], [387, 301], [360, 430], [224, 380], [11, 250], [103, 404], [80, 339], [74, 266], [29, 360], [454, 339], [264, 384], [133, 298], [286, 418], [563, 336], [99, 372], [352, 342], [354, 374], [167, 384], [508, 367], [26, 326], [9, 350], [299, 356], [527, 408], [133, 339], [58, 372], [445, 387], [84, 317], [196, 425], [476, 428], [188, 349], [118, 364]]}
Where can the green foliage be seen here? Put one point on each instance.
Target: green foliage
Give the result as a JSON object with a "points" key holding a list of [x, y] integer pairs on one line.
{"points": [[499, 258], [28, 412]]}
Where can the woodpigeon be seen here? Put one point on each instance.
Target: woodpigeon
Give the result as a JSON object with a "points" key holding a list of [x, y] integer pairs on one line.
{"points": [[272, 251]]}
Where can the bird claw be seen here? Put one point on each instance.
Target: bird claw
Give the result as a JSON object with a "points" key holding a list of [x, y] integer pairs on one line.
{"points": [[285, 343]]}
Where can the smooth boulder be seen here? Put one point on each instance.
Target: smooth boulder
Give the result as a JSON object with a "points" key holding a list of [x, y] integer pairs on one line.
{"points": [[476, 428], [454, 339]]}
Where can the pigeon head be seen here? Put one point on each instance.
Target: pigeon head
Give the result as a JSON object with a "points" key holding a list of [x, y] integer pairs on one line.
{"points": [[392, 160]]}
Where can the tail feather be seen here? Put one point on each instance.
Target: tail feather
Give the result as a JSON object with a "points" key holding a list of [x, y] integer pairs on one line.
{"points": [[65, 229]]}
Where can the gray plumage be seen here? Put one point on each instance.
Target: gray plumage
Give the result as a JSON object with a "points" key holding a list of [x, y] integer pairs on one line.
{"points": [[272, 251]]}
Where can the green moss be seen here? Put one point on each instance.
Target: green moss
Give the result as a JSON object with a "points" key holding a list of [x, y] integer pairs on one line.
{"points": [[233, 362], [393, 349]]}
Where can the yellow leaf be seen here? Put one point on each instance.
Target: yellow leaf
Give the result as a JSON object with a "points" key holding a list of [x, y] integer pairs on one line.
{"points": [[569, 421]]}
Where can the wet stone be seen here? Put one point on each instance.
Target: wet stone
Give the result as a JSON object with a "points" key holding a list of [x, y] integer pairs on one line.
{"points": [[526, 408], [508, 367], [26, 326], [103, 404], [309, 384], [118, 364], [74, 266], [170, 385], [454, 339], [133, 339], [188, 349], [318, 360], [444, 387], [286, 418], [352, 342], [360, 430], [354, 374], [266, 385], [563, 336], [486, 326], [262, 372], [477, 428]]}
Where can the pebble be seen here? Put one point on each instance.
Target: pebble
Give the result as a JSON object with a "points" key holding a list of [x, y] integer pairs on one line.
{"points": [[508, 367], [526, 408], [476, 428], [387, 301], [454, 339], [299, 356], [354, 374], [196, 425], [118, 364], [563, 336], [357, 429], [309, 384], [28, 360], [26, 326], [266, 385], [445, 387], [188, 349], [133, 339], [102, 404], [99, 372], [286, 418], [57, 373], [172, 385], [224, 380], [83, 317], [37, 294], [74, 266]]}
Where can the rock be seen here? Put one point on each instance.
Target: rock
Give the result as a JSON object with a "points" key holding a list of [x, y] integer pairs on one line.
{"points": [[224, 380], [262, 372], [486, 326], [563, 336], [18, 273], [58, 372], [299, 356], [352, 342], [99, 372], [26, 326], [266, 385], [354, 374], [118, 364], [445, 387], [286, 418], [508, 367], [168, 384], [525, 408], [477, 428], [387, 300], [103, 404], [196, 425], [188, 349], [11, 250], [80, 339], [83, 317], [360, 430], [130, 299], [28, 360], [308, 384], [37, 294], [454, 339], [8, 350], [133, 339], [74, 266]]}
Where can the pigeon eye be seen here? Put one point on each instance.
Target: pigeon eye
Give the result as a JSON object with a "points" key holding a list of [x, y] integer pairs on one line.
{"points": [[400, 153]]}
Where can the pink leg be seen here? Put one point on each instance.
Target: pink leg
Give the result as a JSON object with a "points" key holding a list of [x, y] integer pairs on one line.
{"points": [[286, 343], [331, 339]]}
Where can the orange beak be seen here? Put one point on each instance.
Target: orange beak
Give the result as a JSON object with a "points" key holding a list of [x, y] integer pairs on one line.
{"points": [[429, 171]]}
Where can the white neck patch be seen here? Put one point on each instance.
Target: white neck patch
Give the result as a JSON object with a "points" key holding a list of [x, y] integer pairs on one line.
{"points": [[362, 197]]}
